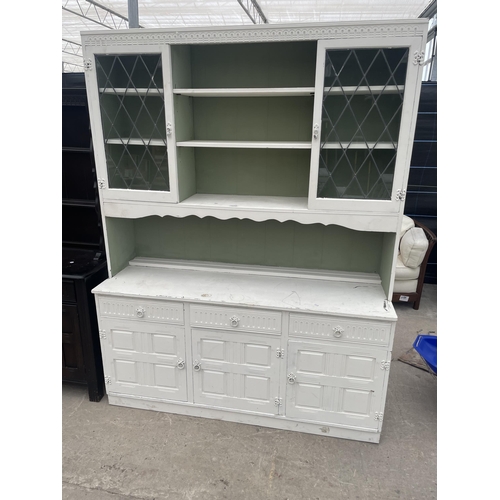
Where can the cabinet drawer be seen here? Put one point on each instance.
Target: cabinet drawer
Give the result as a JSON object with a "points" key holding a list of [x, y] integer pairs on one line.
{"points": [[68, 291], [250, 320], [143, 310], [339, 329]]}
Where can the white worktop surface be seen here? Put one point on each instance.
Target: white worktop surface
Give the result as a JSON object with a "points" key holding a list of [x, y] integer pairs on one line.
{"points": [[346, 298]]}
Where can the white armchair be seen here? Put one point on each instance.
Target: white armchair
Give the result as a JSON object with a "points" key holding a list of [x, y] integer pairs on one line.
{"points": [[415, 245]]}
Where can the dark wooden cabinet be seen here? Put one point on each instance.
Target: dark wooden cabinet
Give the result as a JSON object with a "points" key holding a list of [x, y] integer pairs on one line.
{"points": [[84, 263]]}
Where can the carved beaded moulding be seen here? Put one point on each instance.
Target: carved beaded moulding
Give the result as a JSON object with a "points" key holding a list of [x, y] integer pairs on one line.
{"points": [[244, 35]]}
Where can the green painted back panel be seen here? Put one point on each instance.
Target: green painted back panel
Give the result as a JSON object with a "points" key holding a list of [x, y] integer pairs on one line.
{"points": [[253, 118], [290, 64], [258, 172], [269, 243]]}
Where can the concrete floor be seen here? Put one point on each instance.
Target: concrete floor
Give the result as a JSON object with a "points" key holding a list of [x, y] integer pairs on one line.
{"points": [[113, 453]]}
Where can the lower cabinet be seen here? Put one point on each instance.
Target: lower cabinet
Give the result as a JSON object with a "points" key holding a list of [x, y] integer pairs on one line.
{"points": [[342, 384], [144, 359], [318, 373], [236, 370]]}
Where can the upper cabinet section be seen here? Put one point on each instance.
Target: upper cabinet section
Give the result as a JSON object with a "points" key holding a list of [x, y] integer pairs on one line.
{"points": [[360, 139], [131, 117], [311, 123]]}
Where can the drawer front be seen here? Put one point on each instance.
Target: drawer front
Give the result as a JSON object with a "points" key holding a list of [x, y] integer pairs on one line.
{"points": [[250, 320], [68, 291], [143, 310], [339, 329]]}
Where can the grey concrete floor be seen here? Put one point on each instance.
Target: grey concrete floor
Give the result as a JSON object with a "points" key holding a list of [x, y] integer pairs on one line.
{"points": [[113, 453]]}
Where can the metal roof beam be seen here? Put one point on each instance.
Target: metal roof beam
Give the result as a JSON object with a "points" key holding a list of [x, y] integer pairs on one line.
{"points": [[71, 67], [96, 13], [72, 48], [253, 11]]}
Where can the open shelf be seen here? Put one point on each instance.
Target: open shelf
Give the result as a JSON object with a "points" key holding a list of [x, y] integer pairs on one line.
{"points": [[247, 92], [244, 202], [285, 91], [246, 144]]}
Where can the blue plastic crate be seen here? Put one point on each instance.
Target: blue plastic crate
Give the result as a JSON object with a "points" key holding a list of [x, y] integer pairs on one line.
{"points": [[426, 346]]}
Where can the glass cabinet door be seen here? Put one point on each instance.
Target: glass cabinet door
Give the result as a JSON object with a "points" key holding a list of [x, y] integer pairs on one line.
{"points": [[134, 126], [361, 126]]}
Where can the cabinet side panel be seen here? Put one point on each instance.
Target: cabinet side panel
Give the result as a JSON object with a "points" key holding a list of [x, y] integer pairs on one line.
{"points": [[183, 110], [181, 66], [121, 243], [387, 262]]}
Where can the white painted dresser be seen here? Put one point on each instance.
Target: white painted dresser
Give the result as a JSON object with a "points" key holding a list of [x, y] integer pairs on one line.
{"points": [[252, 182]]}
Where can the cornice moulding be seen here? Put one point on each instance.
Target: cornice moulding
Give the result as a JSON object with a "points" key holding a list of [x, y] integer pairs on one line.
{"points": [[245, 34]]}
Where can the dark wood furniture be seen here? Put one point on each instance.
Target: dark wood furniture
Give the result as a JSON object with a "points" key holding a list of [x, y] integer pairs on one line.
{"points": [[84, 263], [416, 296]]}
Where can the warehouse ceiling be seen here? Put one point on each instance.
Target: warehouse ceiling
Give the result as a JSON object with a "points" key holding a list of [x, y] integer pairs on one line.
{"points": [[87, 15]]}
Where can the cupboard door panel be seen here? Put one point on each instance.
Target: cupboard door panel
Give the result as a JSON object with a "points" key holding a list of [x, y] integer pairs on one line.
{"points": [[145, 359], [335, 384], [236, 370]]}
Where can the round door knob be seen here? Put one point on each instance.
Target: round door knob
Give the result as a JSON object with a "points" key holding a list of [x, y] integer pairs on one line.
{"points": [[235, 321], [291, 378], [140, 311], [197, 366], [181, 364], [338, 331]]}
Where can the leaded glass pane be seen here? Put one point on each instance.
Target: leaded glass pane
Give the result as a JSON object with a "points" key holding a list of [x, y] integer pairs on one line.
{"points": [[133, 121], [361, 115]]}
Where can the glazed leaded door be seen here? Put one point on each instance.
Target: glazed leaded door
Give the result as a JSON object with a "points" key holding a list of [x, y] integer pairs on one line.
{"points": [[362, 116], [132, 115]]}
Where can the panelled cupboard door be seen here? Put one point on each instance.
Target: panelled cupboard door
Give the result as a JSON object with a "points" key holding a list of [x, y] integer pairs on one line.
{"points": [[236, 370], [363, 123], [144, 359], [335, 384], [131, 112]]}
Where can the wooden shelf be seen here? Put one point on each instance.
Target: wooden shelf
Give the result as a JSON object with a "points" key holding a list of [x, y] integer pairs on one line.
{"points": [[247, 92], [285, 91], [365, 90], [137, 142], [132, 92], [359, 145], [79, 203], [245, 202], [246, 144]]}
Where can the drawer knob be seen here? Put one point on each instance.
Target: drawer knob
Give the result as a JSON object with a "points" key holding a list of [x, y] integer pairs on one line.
{"points": [[291, 378], [140, 311], [181, 364], [338, 331], [197, 366], [234, 320]]}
